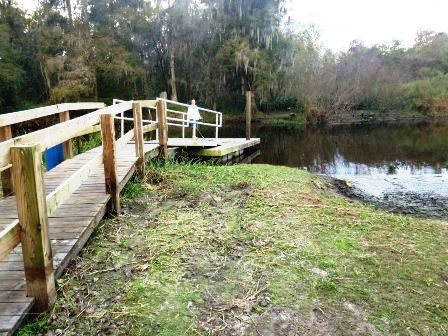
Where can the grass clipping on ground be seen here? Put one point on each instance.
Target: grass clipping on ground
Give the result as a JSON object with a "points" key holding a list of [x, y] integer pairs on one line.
{"points": [[252, 250]]}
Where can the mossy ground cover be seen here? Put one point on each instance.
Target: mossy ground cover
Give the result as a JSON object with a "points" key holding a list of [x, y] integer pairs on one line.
{"points": [[252, 250]]}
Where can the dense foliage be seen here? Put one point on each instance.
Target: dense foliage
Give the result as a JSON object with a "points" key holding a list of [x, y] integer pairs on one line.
{"points": [[212, 50]]}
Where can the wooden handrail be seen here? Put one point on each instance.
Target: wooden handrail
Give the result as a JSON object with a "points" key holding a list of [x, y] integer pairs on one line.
{"points": [[10, 236], [63, 191], [27, 115], [56, 134]]}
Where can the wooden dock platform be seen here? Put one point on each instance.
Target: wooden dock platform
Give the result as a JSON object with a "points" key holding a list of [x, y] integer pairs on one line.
{"points": [[47, 217], [222, 149]]}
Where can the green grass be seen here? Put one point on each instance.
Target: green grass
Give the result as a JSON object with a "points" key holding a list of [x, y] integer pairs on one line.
{"points": [[204, 249], [87, 142]]}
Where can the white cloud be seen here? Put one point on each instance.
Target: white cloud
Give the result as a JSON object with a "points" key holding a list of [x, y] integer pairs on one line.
{"points": [[374, 21]]}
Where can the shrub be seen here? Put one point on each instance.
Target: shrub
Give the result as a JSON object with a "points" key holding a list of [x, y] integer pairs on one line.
{"points": [[281, 104], [427, 95]]}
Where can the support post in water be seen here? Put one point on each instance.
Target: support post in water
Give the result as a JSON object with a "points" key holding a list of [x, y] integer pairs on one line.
{"points": [[163, 128], [33, 219], [138, 137], [7, 186], [110, 161], [248, 114], [68, 148]]}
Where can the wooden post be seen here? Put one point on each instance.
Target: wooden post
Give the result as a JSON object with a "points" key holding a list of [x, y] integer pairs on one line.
{"points": [[163, 128], [110, 161], [68, 148], [7, 186], [138, 137], [33, 219], [248, 114]]}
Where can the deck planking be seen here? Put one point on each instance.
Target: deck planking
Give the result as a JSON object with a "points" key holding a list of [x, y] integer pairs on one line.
{"points": [[70, 226]]}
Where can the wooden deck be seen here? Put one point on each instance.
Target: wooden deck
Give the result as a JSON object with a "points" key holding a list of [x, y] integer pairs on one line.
{"points": [[71, 224], [210, 147], [227, 150]]}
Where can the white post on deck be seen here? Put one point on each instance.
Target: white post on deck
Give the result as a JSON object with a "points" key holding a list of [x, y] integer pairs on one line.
{"points": [[217, 125], [183, 126]]}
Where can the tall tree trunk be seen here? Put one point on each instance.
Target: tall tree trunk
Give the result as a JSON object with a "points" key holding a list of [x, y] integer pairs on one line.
{"points": [[248, 110], [68, 4], [173, 77], [253, 104], [189, 72]]}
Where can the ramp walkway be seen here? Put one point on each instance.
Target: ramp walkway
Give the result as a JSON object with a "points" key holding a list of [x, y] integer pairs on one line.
{"points": [[47, 217]]}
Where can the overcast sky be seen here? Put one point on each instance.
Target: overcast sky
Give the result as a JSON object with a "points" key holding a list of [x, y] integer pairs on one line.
{"points": [[372, 21]]}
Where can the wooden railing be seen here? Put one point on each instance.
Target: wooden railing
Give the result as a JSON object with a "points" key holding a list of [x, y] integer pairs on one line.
{"points": [[9, 119], [23, 156]]}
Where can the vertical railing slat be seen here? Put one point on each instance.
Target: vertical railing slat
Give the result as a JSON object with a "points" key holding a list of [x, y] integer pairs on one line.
{"points": [[7, 184], [138, 137], [163, 128], [68, 148], [110, 161]]}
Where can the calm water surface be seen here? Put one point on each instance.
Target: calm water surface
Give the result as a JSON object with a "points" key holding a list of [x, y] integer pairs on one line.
{"points": [[378, 159]]}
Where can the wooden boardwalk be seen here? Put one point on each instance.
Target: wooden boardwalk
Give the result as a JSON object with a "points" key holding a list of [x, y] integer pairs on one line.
{"points": [[70, 225], [59, 209]]}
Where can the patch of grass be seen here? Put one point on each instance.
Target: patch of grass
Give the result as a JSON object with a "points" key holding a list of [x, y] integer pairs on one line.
{"points": [[86, 143], [206, 249], [133, 189]]}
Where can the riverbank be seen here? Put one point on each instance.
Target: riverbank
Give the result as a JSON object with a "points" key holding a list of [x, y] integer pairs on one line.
{"points": [[252, 250], [336, 119], [422, 204]]}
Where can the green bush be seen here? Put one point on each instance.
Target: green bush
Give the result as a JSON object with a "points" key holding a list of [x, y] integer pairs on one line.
{"points": [[427, 95], [281, 104]]}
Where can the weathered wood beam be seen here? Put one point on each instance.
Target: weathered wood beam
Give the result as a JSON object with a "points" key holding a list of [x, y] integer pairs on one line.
{"points": [[33, 219], [7, 187], [149, 128], [21, 116], [9, 239], [146, 103], [89, 130], [67, 145], [138, 137], [110, 161], [63, 191], [128, 136], [163, 128], [59, 133]]}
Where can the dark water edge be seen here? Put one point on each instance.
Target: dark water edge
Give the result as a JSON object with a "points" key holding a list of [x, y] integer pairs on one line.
{"points": [[398, 167]]}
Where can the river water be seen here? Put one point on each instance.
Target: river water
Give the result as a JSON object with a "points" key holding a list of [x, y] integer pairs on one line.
{"points": [[383, 161]]}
